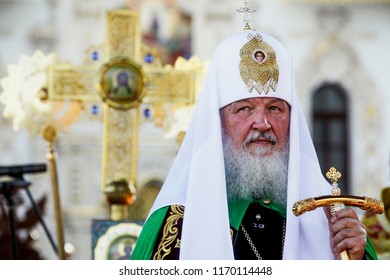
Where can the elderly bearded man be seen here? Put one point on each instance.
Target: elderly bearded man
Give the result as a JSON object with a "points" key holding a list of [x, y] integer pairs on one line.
{"points": [[246, 158]]}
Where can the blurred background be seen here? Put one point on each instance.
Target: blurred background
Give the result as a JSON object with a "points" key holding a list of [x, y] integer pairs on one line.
{"points": [[341, 57]]}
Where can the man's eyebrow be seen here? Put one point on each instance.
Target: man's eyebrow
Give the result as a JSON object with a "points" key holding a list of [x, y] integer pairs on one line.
{"points": [[277, 101], [239, 102]]}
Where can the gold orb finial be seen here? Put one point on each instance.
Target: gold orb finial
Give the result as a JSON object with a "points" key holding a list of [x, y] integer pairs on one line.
{"points": [[49, 133]]}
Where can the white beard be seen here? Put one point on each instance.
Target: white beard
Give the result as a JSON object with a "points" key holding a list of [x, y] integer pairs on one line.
{"points": [[252, 177]]}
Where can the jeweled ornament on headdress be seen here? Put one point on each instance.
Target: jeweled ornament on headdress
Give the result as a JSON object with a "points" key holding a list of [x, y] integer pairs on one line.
{"points": [[258, 65]]}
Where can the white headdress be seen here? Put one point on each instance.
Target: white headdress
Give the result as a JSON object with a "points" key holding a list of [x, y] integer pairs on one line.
{"points": [[197, 177]]}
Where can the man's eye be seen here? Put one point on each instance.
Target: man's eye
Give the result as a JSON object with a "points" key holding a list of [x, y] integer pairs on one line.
{"points": [[244, 109], [274, 108]]}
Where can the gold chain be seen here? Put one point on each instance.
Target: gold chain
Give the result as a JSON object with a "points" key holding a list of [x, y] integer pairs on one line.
{"points": [[254, 249]]}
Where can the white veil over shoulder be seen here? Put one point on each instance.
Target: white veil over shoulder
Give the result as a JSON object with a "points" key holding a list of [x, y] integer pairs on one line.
{"points": [[197, 177]]}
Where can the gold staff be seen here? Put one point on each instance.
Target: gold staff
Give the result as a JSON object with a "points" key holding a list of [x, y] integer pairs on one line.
{"points": [[337, 202], [49, 133]]}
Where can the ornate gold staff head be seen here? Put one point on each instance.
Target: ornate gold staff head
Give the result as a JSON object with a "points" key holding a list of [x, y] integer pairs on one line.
{"points": [[337, 200]]}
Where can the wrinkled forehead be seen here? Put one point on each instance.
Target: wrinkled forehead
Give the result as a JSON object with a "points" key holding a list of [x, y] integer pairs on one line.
{"points": [[266, 101], [240, 73]]}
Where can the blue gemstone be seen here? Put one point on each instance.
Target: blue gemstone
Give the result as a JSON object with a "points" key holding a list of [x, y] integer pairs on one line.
{"points": [[95, 55], [94, 110], [147, 113], [149, 58]]}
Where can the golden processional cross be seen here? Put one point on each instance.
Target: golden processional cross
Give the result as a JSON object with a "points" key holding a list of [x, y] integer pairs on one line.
{"points": [[123, 82]]}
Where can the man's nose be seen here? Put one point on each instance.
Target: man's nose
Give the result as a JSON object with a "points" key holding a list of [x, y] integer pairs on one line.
{"points": [[261, 122]]}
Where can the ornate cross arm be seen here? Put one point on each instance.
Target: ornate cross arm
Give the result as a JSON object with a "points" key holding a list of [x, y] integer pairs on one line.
{"points": [[363, 202]]}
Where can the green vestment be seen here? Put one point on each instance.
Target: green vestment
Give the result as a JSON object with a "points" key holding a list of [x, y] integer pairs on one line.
{"points": [[147, 239]]}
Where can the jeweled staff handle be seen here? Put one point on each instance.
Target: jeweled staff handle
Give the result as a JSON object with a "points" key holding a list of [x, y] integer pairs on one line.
{"points": [[333, 175], [336, 201]]}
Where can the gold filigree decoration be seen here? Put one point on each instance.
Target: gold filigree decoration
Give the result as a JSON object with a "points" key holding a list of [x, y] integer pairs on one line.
{"points": [[303, 206], [333, 175], [123, 34], [259, 68], [170, 232], [120, 144], [70, 82], [178, 244], [373, 205]]}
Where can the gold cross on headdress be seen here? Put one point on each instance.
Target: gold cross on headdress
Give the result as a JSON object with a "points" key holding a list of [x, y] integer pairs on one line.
{"points": [[246, 10]]}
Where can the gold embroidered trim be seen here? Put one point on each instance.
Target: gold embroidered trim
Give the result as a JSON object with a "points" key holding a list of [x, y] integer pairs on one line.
{"points": [[258, 66], [177, 245], [170, 233]]}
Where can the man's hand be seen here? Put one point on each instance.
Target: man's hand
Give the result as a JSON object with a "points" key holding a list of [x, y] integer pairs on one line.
{"points": [[346, 233]]}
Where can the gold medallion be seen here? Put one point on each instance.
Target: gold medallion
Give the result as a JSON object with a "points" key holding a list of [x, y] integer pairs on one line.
{"points": [[258, 66]]}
